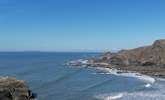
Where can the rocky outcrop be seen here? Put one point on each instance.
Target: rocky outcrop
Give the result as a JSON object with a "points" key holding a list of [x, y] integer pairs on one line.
{"points": [[13, 89], [147, 55], [149, 60]]}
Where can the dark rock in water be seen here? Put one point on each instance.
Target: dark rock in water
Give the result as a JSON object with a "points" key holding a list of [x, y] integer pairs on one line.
{"points": [[13, 89]]}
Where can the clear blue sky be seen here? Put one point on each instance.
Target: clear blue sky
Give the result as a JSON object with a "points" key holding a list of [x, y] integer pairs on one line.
{"points": [[79, 25]]}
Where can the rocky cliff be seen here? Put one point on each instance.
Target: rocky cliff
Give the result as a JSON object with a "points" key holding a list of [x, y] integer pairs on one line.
{"points": [[13, 89], [147, 55], [147, 60]]}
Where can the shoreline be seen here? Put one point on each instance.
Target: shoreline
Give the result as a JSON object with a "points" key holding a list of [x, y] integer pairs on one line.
{"points": [[147, 60], [118, 70], [106, 69], [146, 78]]}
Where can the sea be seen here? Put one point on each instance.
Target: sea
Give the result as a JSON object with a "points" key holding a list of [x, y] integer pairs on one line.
{"points": [[47, 74]]}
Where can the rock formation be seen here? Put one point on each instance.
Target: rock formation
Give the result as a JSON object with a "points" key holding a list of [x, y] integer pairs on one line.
{"points": [[148, 60], [12, 89], [147, 55]]}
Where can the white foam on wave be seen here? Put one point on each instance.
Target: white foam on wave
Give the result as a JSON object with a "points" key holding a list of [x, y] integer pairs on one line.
{"points": [[83, 61], [127, 74], [140, 76], [109, 97], [148, 85], [143, 95], [157, 93], [114, 97]]}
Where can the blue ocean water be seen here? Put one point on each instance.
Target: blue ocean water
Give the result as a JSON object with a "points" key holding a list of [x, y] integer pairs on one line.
{"points": [[49, 77]]}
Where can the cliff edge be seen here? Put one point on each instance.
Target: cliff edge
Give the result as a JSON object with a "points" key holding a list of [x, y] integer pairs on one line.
{"points": [[148, 60], [13, 89]]}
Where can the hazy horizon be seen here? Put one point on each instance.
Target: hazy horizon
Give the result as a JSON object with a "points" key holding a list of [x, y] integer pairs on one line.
{"points": [[80, 25]]}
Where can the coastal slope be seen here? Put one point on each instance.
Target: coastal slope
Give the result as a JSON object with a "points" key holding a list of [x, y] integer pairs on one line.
{"points": [[148, 60]]}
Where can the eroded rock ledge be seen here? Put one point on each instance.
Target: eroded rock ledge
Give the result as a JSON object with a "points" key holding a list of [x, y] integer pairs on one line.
{"points": [[149, 60], [13, 89]]}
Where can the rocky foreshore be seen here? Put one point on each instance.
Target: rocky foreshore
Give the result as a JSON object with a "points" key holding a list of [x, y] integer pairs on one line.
{"points": [[13, 89], [148, 60]]}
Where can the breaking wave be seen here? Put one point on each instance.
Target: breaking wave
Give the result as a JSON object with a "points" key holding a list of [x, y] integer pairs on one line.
{"points": [[156, 93], [148, 85], [139, 76], [132, 96], [109, 97]]}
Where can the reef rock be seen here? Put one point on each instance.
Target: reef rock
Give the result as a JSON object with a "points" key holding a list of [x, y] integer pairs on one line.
{"points": [[13, 89]]}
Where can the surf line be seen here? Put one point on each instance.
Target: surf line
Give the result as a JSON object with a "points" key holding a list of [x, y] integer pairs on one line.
{"points": [[145, 78]]}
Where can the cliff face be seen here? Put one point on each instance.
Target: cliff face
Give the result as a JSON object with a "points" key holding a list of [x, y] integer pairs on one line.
{"points": [[147, 55], [12, 89], [149, 60]]}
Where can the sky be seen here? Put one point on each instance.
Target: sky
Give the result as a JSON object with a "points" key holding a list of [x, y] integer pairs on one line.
{"points": [[80, 25]]}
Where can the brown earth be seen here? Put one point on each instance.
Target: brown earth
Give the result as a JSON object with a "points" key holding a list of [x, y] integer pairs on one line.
{"points": [[148, 60]]}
